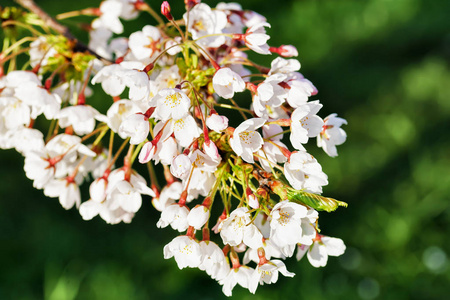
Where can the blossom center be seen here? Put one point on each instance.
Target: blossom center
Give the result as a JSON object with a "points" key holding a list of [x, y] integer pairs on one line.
{"points": [[173, 100], [247, 136]]}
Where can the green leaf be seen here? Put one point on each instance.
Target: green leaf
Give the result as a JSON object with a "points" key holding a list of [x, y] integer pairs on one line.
{"points": [[315, 201]]}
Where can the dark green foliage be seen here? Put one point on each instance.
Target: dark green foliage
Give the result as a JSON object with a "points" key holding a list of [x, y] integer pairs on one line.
{"points": [[384, 66]]}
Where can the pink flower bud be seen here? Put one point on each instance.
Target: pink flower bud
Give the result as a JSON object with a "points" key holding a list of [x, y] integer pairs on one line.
{"points": [[287, 51], [211, 150], [252, 200], [165, 10], [147, 152], [217, 123]]}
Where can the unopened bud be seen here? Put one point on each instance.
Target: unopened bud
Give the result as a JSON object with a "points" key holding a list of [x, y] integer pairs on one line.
{"points": [[262, 256], [285, 50], [205, 233], [148, 67], [183, 198], [48, 84], [119, 60], [252, 200], [81, 99], [251, 87], [288, 51], [165, 10], [149, 112]]}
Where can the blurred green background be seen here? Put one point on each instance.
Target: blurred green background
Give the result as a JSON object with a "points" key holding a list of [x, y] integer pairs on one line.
{"points": [[381, 64]]}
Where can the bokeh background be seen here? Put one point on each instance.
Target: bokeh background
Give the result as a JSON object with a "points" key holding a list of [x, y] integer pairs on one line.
{"points": [[381, 64]]}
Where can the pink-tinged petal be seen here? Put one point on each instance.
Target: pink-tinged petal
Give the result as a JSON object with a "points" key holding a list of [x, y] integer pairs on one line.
{"points": [[301, 251], [317, 255]]}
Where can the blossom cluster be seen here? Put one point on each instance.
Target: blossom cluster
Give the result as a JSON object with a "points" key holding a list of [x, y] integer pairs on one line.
{"points": [[174, 91]]}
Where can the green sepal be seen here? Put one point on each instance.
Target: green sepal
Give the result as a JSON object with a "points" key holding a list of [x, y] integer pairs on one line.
{"points": [[315, 201]]}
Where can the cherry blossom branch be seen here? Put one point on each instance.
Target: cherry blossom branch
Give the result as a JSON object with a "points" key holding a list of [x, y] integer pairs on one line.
{"points": [[58, 27]]}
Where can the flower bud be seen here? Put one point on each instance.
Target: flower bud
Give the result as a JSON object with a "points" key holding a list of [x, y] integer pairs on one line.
{"points": [[136, 127], [217, 123], [181, 166], [252, 200], [285, 50], [147, 152], [198, 216], [288, 51], [211, 150], [165, 10]]}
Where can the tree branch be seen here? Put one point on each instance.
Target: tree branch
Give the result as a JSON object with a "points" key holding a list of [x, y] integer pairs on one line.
{"points": [[58, 27]]}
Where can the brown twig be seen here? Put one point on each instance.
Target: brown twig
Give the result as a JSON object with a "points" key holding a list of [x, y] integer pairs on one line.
{"points": [[55, 25]]}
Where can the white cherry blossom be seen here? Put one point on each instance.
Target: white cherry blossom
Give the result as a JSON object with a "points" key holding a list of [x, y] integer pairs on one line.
{"points": [[145, 43], [214, 261], [205, 21], [185, 130], [226, 83], [284, 66], [136, 127], [66, 190], [171, 103], [168, 195], [185, 250], [286, 223], [270, 249], [203, 162], [256, 38], [14, 113], [267, 273], [305, 124], [39, 168], [246, 140], [300, 90], [176, 216], [110, 78], [322, 247], [240, 275], [39, 99], [117, 113], [181, 166], [124, 193], [237, 229], [28, 139], [304, 172], [332, 134], [40, 51], [211, 150], [166, 151], [109, 18], [269, 94], [80, 117], [201, 183]]}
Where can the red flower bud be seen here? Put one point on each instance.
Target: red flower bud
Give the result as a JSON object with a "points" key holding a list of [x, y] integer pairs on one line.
{"points": [[165, 10]]}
